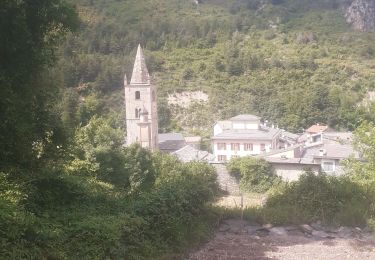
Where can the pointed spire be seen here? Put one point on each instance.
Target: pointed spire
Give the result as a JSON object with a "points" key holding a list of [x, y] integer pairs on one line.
{"points": [[140, 73]]}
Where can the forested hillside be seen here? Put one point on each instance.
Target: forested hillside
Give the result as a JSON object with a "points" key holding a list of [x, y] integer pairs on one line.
{"points": [[293, 62]]}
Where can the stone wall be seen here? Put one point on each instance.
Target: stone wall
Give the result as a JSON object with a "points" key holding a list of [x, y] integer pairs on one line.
{"points": [[226, 181]]}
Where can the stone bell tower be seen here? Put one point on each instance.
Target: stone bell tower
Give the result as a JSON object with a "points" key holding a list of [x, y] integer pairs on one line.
{"points": [[141, 106]]}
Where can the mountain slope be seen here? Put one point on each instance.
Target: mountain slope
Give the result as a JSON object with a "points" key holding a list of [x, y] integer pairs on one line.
{"points": [[292, 62]]}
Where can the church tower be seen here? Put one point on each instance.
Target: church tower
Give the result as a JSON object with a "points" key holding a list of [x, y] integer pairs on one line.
{"points": [[141, 106]]}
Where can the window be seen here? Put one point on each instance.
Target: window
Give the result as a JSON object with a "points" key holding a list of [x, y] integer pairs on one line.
{"points": [[328, 166], [248, 147], [137, 95], [262, 147], [221, 158], [153, 96], [235, 147], [137, 112], [221, 146]]}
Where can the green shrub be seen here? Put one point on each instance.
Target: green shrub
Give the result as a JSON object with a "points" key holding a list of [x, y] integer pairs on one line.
{"points": [[18, 231], [178, 199], [332, 200], [52, 190], [255, 175], [66, 215], [107, 236], [371, 224]]}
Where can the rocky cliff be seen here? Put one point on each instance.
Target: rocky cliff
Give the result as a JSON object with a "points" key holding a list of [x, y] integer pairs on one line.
{"points": [[361, 14]]}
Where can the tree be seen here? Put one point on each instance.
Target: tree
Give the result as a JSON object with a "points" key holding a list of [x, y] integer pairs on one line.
{"points": [[30, 31], [98, 152], [255, 174], [364, 170]]}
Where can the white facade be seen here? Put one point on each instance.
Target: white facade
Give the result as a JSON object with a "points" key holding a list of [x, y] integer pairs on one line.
{"points": [[239, 148], [243, 135]]}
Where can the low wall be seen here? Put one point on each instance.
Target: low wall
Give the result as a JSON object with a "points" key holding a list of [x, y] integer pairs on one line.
{"points": [[291, 172]]}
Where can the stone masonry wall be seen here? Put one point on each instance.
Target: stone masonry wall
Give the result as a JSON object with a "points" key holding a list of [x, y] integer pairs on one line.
{"points": [[227, 182]]}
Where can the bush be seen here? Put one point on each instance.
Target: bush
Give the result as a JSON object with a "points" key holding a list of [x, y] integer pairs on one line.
{"points": [[255, 175], [17, 226], [371, 223], [106, 236], [18, 233], [332, 200], [52, 190], [65, 215]]}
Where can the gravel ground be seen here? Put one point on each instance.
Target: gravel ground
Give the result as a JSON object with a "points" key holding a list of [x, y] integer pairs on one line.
{"points": [[239, 244]]}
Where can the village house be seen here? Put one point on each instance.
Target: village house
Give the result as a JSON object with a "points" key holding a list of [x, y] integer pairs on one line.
{"points": [[319, 148], [326, 152], [243, 135]]}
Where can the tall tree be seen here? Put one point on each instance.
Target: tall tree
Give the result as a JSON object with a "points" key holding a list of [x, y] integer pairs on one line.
{"points": [[30, 32]]}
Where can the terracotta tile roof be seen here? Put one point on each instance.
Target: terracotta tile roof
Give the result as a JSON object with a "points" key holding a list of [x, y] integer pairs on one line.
{"points": [[314, 129]]}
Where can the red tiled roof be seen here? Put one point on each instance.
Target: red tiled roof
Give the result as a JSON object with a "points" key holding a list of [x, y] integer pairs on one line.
{"points": [[314, 129]]}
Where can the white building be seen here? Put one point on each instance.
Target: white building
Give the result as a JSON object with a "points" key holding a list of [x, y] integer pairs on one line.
{"points": [[243, 135], [326, 154]]}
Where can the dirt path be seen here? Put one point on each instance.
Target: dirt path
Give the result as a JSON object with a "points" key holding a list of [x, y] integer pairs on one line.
{"points": [[238, 241]]}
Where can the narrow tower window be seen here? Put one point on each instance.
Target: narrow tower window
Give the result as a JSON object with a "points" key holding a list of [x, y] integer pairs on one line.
{"points": [[137, 95], [153, 96]]}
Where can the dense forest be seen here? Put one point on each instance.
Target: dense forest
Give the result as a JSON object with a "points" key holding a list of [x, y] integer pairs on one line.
{"points": [[69, 189]]}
